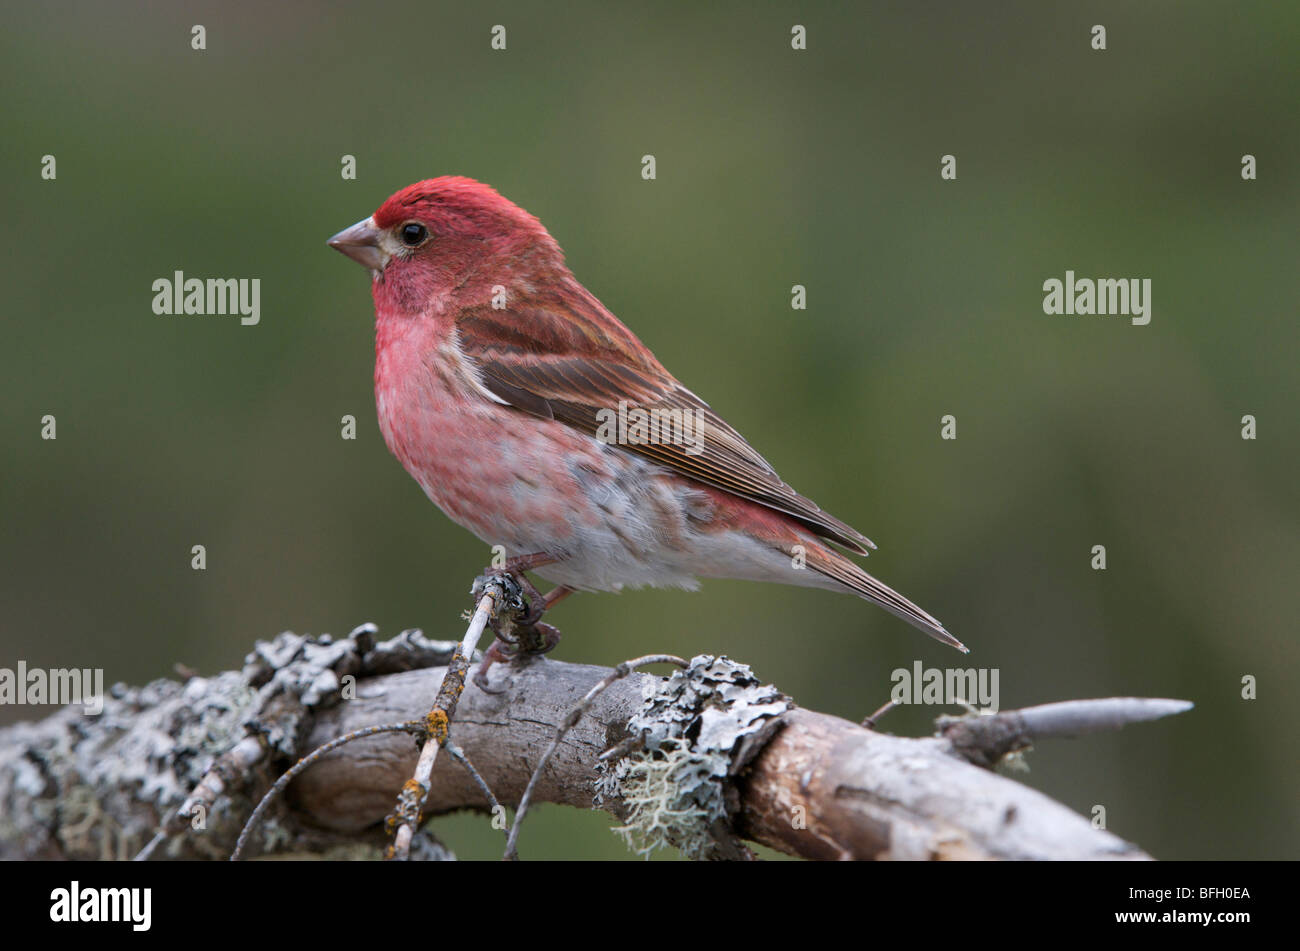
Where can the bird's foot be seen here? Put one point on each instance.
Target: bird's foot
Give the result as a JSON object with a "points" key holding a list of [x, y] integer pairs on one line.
{"points": [[523, 644], [523, 605], [520, 635]]}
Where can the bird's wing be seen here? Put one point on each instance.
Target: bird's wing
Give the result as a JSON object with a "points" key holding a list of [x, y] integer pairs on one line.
{"points": [[565, 357]]}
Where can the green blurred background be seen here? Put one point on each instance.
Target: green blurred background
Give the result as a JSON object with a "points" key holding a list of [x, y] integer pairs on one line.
{"points": [[775, 167]]}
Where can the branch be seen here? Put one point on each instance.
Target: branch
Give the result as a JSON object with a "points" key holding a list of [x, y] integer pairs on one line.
{"points": [[802, 782]]}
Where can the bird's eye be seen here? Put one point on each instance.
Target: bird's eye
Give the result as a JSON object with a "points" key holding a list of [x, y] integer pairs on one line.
{"points": [[413, 234]]}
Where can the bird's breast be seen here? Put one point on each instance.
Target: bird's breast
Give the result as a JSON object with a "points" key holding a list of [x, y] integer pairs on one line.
{"points": [[488, 466], [531, 484]]}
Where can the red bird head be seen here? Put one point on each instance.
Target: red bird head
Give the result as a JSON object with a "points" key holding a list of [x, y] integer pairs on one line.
{"points": [[448, 237]]}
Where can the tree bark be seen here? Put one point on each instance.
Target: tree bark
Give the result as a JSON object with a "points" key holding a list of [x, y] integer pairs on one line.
{"points": [[818, 786]]}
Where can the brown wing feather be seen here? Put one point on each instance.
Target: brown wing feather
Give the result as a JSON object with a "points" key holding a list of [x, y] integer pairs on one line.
{"points": [[575, 359]]}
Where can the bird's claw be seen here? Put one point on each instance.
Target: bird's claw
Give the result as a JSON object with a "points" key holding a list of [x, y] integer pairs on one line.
{"points": [[529, 642], [516, 622], [512, 601], [521, 643], [522, 605]]}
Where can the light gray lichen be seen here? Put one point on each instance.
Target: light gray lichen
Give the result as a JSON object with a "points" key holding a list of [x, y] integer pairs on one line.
{"points": [[77, 786], [697, 730]]}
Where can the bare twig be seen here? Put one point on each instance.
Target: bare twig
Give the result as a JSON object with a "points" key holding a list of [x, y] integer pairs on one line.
{"points": [[459, 756], [870, 722], [230, 768], [985, 740], [569, 722], [410, 804], [307, 761], [147, 852], [411, 726]]}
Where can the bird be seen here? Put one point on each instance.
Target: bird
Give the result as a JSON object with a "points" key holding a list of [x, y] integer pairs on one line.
{"points": [[531, 416]]}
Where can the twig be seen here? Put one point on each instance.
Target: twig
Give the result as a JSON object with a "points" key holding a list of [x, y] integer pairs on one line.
{"points": [[985, 740], [870, 722], [569, 722], [410, 726], [302, 764], [147, 852], [459, 756], [228, 769], [410, 803]]}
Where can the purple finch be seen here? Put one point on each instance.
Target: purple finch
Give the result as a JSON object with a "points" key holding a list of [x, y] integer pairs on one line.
{"points": [[531, 416]]}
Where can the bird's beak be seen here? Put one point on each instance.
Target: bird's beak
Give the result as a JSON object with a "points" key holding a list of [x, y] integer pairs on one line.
{"points": [[361, 243]]}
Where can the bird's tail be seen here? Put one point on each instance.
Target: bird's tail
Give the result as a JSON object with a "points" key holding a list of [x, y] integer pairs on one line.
{"points": [[839, 569]]}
